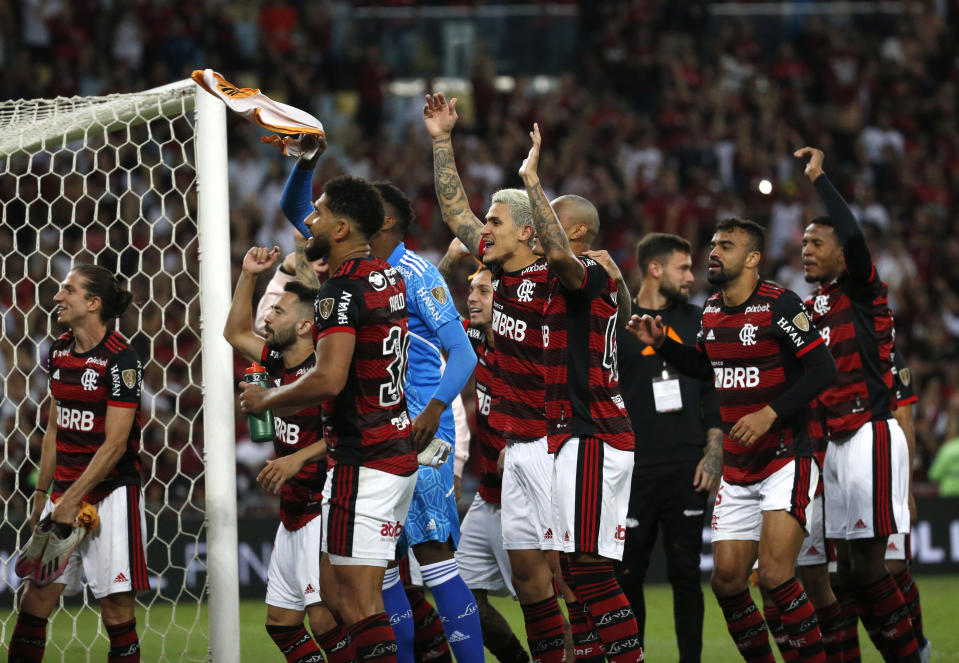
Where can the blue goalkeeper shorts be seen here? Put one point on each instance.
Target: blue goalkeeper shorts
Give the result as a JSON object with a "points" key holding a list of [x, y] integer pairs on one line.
{"points": [[433, 515]]}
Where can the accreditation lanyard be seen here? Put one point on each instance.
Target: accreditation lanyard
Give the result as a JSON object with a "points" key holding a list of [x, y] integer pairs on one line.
{"points": [[666, 393]]}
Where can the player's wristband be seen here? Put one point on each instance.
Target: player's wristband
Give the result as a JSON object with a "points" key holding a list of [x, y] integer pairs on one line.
{"points": [[41, 490]]}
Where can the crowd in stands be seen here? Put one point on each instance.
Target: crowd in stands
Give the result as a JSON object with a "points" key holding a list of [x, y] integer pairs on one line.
{"points": [[665, 114]]}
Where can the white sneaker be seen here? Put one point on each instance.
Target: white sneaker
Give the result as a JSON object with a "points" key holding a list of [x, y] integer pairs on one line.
{"points": [[435, 453]]}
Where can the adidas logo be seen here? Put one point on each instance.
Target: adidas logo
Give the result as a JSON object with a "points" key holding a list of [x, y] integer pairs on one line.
{"points": [[812, 551], [549, 534], [566, 536], [56, 374], [309, 589], [431, 525], [711, 336], [859, 524], [457, 636], [892, 546], [121, 578]]}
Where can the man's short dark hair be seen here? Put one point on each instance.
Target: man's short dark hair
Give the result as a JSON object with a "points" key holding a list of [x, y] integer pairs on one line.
{"points": [[357, 200], [659, 247], [304, 293], [398, 204], [756, 232], [823, 221]]}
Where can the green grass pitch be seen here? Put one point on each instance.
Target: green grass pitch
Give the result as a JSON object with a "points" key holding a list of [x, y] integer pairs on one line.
{"points": [[183, 636]]}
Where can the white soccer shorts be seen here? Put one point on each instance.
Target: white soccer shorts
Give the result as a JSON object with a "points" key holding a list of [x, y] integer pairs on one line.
{"points": [[482, 560], [527, 514], [814, 550], [363, 514], [897, 548], [293, 580], [867, 483], [738, 514], [591, 484], [112, 560]]}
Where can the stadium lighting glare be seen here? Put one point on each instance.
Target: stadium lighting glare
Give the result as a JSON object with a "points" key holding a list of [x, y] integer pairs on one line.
{"points": [[765, 187]]}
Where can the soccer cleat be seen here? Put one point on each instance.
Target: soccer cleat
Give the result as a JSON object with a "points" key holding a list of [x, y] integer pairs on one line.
{"points": [[29, 558], [435, 453], [62, 541]]}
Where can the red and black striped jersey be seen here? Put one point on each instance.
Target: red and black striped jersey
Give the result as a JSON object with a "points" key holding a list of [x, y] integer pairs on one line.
{"points": [[490, 442], [582, 381], [301, 497], [856, 323], [904, 393], [84, 385], [367, 423], [519, 301], [754, 349]]}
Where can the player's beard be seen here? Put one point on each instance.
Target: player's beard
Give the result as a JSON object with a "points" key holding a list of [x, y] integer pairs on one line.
{"points": [[318, 247], [722, 276], [674, 294], [281, 340]]}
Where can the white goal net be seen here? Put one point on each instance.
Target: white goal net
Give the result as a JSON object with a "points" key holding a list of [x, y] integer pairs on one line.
{"points": [[113, 181]]}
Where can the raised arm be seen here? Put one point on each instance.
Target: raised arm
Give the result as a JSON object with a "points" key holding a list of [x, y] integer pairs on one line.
{"points": [[238, 330], [456, 252], [440, 118], [552, 237], [855, 249]]}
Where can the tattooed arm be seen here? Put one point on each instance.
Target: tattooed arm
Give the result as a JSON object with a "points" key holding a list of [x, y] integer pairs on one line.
{"points": [[454, 254], [551, 235], [305, 273], [710, 468], [440, 117]]}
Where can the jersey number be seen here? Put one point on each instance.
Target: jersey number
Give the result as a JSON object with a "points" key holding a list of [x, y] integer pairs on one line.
{"points": [[395, 345], [609, 351]]}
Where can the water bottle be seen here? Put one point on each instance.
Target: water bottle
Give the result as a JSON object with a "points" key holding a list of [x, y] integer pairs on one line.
{"points": [[261, 425]]}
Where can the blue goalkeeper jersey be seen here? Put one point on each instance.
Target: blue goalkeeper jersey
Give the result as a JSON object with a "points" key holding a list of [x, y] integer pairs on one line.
{"points": [[430, 306]]}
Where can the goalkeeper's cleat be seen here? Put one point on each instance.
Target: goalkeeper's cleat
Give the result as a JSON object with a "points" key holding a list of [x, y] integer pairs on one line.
{"points": [[435, 453], [29, 558], [63, 540]]}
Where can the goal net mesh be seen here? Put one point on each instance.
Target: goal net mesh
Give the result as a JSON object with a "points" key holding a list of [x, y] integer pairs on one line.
{"points": [[108, 180]]}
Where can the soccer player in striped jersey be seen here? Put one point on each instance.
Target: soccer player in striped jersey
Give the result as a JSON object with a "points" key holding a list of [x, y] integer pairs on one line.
{"points": [[91, 453], [299, 471], [866, 466], [898, 557], [503, 243], [483, 562], [767, 362], [360, 335], [588, 429]]}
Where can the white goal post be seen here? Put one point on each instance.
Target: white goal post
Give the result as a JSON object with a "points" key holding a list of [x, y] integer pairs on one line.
{"points": [[136, 182]]}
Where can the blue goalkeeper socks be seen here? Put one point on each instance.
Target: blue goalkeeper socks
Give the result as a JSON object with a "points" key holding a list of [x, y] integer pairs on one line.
{"points": [[397, 606], [455, 603]]}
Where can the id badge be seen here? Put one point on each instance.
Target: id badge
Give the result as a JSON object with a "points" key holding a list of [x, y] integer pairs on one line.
{"points": [[666, 394]]}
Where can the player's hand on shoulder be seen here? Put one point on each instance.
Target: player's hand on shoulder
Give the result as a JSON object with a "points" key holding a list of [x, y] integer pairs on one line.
{"points": [[259, 259], [439, 116], [605, 261], [814, 166]]}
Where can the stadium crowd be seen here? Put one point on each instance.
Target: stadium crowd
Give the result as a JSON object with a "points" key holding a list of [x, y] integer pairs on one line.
{"points": [[668, 119]]}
